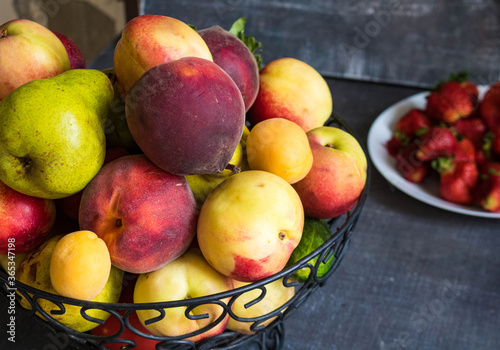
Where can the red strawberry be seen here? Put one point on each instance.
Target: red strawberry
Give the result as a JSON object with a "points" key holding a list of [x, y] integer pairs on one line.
{"points": [[489, 107], [449, 103], [438, 142], [410, 126], [466, 152], [473, 129], [471, 89], [458, 181], [488, 189], [414, 123], [495, 145], [411, 168], [394, 145]]}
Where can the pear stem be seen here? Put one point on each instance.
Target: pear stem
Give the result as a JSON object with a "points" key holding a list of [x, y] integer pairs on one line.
{"points": [[4, 33]]}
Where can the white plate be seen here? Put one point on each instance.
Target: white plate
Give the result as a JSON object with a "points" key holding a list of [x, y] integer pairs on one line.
{"points": [[427, 192]]}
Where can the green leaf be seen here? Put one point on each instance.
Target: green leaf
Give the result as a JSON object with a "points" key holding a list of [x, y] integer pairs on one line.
{"points": [[238, 26], [238, 29], [459, 77], [193, 27]]}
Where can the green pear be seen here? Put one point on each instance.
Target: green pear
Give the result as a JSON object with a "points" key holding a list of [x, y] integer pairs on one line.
{"points": [[34, 271], [52, 140]]}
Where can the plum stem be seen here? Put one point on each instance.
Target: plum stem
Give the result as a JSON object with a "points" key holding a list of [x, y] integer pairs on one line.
{"points": [[329, 145], [119, 223], [234, 168]]}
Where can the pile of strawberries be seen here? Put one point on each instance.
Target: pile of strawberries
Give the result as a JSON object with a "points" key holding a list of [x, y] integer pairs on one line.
{"points": [[457, 136]]}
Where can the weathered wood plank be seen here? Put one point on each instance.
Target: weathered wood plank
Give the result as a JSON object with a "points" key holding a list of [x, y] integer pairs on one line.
{"points": [[393, 41]]}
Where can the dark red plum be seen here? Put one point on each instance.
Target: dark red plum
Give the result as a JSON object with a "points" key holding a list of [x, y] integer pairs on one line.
{"points": [[187, 116], [236, 59]]}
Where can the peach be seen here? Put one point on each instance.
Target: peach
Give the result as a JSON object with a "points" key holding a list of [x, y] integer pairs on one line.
{"points": [[338, 175], [293, 90], [150, 40], [249, 225], [232, 55], [70, 206], [146, 216], [279, 146], [80, 265], [187, 116], [28, 51]]}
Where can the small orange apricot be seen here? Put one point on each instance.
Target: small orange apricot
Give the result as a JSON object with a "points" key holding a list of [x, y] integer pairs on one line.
{"points": [[80, 265], [281, 147]]}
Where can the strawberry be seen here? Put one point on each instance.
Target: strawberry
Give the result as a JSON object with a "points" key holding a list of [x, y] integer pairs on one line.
{"points": [[458, 181], [488, 188], [489, 108], [472, 91], [411, 168], [413, 124], [449, 103], [473, 129], [410, 126], [394, 145], [495, 145], [465, 152], [437, 142]]}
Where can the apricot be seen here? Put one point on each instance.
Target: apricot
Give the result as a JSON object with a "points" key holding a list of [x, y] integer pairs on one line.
{"points": [[281, 147], [80, 265]]}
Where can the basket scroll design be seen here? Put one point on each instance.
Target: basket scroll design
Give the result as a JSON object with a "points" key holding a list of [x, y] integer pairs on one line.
{"points": [[269, 336]]}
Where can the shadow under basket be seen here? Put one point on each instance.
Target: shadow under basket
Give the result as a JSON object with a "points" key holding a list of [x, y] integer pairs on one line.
{"points": [[269, 336]]}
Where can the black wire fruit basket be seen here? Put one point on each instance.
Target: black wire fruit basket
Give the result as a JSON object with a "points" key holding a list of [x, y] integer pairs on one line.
{"points": [[267, 331]]}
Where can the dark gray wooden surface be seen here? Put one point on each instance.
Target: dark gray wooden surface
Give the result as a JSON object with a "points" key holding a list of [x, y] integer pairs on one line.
{"points": [[398, 41]]}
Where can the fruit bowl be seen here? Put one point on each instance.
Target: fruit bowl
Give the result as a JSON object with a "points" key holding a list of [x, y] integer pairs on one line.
{"points": [[268, 336]]}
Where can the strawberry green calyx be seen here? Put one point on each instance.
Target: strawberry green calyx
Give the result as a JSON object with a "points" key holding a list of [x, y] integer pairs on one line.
{"points": [[238, 29], [459, 77], [442, 164], [422, 131], [405, 140], [488, 143]]}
